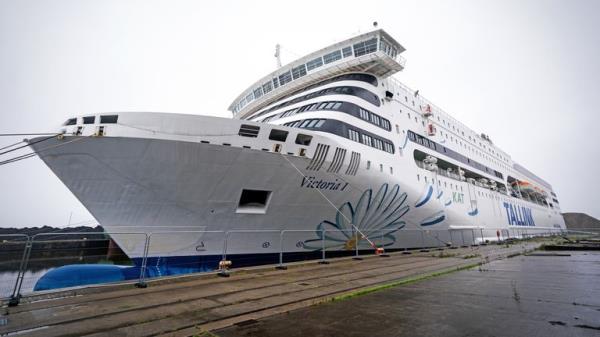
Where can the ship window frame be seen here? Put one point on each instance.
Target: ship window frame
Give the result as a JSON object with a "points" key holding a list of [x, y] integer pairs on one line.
{"points": [[285, 78], [312, 123], [109, 119], [365, 47], [303, 139], [367, 140], [333, 56], [346, 51], [299, 71], [314, 63], [267, 85], [278, 135], [304, 123]]}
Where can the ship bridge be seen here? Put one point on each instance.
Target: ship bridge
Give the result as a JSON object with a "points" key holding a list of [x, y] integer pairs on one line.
{"points": [[374, 53]]}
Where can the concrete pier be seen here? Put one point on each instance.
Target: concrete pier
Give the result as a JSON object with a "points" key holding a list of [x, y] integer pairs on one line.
{"points": [[542, 294], [192, 305]]}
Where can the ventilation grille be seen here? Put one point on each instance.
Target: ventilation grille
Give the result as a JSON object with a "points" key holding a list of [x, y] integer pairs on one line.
{"points": [[319, 157], [249, 130], [354, 162], [338, 160]]}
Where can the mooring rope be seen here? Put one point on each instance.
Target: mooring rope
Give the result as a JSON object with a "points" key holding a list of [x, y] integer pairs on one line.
{"points": [[332, 205], [35, 153]]}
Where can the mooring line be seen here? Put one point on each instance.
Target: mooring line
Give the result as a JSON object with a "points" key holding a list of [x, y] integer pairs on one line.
{"points": [[331, 203], [33, 154]]}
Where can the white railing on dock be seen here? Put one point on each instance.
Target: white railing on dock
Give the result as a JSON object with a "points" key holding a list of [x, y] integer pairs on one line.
{"points": [[51, 247]]}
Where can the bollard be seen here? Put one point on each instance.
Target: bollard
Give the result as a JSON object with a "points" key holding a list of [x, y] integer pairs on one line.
{"points": [[281, 266], [224, 264], [482, 238], [323, 261]]}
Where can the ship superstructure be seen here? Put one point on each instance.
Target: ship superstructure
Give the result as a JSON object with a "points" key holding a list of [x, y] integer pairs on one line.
{"points": [[327, 145]]}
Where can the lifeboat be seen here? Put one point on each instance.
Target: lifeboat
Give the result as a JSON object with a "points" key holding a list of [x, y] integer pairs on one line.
{"points": [[523, 186]]}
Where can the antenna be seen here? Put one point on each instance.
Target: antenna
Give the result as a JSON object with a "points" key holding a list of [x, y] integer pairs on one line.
{"points": [[278, 55]]}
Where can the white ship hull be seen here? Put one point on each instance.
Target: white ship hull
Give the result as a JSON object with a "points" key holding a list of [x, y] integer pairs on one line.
{"points": [[142, 178]]}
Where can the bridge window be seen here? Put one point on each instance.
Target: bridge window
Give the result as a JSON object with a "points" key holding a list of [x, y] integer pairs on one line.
{"points": [[258, 92], [285, 78], [347, 52], [332, 57], [365, 47], [267, 87], [312, 64], [299, 71]]}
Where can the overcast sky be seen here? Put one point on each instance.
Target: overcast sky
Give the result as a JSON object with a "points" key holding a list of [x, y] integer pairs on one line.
{"points": [[524, 72]]}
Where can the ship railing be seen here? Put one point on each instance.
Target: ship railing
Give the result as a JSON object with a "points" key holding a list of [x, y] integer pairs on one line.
{"points": [[45, 251]]}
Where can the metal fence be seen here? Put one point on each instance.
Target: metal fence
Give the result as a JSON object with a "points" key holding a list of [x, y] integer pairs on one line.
{"points": [[23, 259]]}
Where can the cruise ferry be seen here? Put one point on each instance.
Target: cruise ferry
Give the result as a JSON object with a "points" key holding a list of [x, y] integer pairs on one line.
{"points": [[330, 148]]}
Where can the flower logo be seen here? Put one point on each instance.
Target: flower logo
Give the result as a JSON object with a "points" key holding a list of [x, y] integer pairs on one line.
{"points": [[376, 216]]}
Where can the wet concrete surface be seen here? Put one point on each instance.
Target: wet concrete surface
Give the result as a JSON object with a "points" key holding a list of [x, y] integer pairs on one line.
{"points": [[541, 295]]}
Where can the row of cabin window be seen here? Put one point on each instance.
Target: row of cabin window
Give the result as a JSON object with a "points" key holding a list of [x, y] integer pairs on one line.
{"points": [[341, 90], [370, 141], [352, 134], [465, 146], [344, 77], [105, 119], [374, 119], [496, 157], [305, 108], [415, 138], [337, 106], [307, 123], [366, 78], [360, 48], [499, 155]]}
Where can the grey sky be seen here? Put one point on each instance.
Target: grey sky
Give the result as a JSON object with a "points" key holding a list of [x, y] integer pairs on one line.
{"points": [[524, 72]]}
